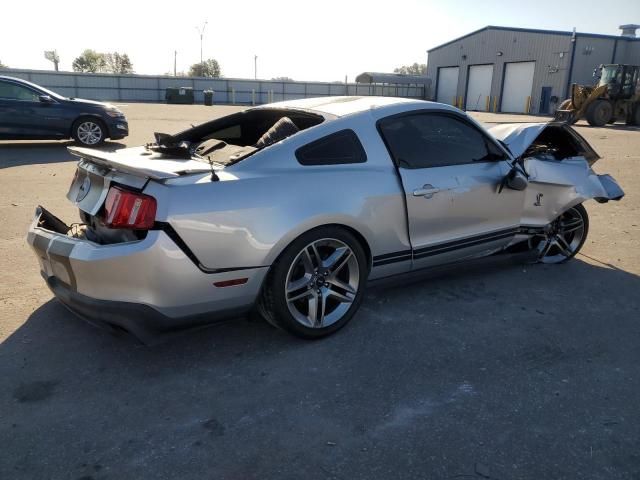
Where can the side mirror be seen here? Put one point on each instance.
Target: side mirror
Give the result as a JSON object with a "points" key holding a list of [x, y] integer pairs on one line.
{"points": [[516, 180], [45, 99]]}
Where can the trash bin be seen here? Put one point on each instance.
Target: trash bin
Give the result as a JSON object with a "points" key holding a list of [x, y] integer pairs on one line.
{"points": [[180, 95], [208, 97]]}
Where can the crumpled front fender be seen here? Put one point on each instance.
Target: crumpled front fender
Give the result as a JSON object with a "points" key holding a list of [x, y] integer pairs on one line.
{"points": [[610, 189], [556, 186]]}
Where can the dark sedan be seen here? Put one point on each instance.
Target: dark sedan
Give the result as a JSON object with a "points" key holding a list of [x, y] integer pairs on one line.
{"points": [[31, 112]]}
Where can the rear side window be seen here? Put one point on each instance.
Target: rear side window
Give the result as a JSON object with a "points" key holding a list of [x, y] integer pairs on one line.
{"points": [[335, 149], [433, 140]]}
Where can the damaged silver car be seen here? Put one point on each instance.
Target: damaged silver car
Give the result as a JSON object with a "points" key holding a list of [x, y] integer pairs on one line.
{"points": [[293, 207]]}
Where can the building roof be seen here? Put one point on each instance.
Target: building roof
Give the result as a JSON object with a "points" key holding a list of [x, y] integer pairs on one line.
{"points": [[533, 30], [392, 78]]}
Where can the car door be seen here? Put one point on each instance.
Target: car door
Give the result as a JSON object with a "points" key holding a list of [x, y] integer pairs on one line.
{"points": [[24, 115], [451, 172]]}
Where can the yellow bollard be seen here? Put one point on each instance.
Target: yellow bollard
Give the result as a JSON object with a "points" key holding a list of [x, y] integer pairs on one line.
{"points": [[486, 107], [527, 105], [495, 104]]}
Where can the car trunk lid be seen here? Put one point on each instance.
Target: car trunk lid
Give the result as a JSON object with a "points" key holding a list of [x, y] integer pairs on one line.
{"points": [[139, 161]]}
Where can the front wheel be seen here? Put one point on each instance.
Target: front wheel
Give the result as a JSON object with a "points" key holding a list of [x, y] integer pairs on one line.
{"points": [[563, 238], [89, 132], [317, 284], [599, 113]]}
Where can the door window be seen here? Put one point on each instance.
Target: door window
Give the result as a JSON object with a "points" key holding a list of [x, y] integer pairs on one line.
{"points": [[435, 140], [12, 91]]}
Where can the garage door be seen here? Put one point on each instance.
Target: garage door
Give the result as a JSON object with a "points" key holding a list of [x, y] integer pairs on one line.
{"points": [[447, 85], [518, 83], [479, 87]]}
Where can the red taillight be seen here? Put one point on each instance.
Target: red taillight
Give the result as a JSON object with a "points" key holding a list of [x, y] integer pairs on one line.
{"points": [[126, 209]]}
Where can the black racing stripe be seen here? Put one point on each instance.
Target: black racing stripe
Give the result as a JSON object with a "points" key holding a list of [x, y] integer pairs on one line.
{"points": [[391, 255], [463, 242], [40, 243], [450, 248], [403, 258]]}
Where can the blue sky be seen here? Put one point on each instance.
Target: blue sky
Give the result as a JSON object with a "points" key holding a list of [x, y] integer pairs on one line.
{"points": [[322, 40]]}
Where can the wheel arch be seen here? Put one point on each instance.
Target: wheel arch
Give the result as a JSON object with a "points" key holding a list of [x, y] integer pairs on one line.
{"points": [[280, 248]]}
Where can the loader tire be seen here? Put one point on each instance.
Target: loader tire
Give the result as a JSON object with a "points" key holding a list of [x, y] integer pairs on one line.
{"points": [[599, 113]]}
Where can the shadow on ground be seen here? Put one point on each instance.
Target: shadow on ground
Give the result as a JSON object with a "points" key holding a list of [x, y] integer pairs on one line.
{"points": [[15, 154], [498, 371]]}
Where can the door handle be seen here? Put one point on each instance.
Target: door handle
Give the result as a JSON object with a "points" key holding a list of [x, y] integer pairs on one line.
{"points": [[426, 191]]}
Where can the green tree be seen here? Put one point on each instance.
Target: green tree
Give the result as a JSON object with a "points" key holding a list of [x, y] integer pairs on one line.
{"points": [[415, 69], [117, 63], [208, 68], [89, 61]]}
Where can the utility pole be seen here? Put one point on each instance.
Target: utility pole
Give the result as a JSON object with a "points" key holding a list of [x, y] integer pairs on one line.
{"points": [[175, 58], [201, 32], [255, 67]]}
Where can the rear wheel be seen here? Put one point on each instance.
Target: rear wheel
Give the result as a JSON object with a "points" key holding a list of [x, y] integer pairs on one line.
{"points": [[563, 238], [89, 132], [317, 284], [599, 113], [635, 117]]}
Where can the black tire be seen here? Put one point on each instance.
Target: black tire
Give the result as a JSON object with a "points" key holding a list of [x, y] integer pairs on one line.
{"points": [[273, 305], [554, 254], [81, 137], [635, 116], [599, 113]]}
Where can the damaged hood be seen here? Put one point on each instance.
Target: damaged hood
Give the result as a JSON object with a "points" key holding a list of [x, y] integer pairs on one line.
{"points": [[517, 136], [520, 136], [141, 162]]}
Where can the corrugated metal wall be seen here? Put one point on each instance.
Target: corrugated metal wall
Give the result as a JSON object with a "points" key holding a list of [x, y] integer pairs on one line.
{"points": [[552, 53], [591, 52], [148, 88], [497, 47]]}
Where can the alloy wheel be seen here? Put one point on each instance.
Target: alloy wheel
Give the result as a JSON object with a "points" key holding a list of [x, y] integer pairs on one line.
{"points": [[322, 283], [563, 238], [89, 133]]}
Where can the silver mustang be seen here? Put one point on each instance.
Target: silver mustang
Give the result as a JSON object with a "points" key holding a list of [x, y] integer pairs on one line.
{"points": [[292, 207]]}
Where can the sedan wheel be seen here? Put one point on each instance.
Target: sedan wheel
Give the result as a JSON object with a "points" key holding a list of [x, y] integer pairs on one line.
{"points": [[564, 236], [317, 284], [89, 133]]}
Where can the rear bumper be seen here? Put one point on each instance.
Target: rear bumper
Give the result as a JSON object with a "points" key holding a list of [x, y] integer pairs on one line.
{"points": [[141, 321], [147, 287]]}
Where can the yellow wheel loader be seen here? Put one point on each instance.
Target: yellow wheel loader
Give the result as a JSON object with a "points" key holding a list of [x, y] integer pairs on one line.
{"points": [[616, 96]]}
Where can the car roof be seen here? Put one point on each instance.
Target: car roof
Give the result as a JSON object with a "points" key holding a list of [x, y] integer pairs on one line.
{"points": [[342, 106], [19, 80]]}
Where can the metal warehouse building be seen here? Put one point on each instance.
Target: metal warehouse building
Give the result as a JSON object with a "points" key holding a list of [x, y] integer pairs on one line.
{"points": [[522, 70]]}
